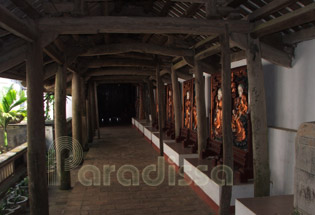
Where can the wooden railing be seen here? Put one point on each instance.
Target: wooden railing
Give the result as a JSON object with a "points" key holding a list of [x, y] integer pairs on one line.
{"points": [[12, 167]]}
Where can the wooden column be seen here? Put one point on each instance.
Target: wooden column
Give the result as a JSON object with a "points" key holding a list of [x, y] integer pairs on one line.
{"points": [[159, 85], [258, 118], [96, 112], [76, 108], [84, 114], [152, 101], [91, 111], [36, 153], [61, 127], [201, 109], [227, 119], [177, 103], [141, 105]]}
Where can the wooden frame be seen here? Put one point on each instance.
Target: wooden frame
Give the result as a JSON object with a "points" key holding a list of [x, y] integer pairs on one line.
{"points": [[188, 91]]}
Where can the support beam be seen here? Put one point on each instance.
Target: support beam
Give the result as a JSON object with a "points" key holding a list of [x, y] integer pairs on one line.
{"points": [[226, 121], [139, 25], [295, 18], [300, 36], [119, 71], [112, 49], [201, 110], [112, 62], [211, 9], [269, 8], [27, 8], [61, 128], [16, 26], [36, 152], [160, 104], [97, 118], [256, 90], [208, 52], [76, 108], [177, 103], [268, 52], [152, 101], [11, 57]]}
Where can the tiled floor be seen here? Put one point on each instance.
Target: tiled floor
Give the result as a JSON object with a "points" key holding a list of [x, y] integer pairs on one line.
{"points": [[120, 146]]}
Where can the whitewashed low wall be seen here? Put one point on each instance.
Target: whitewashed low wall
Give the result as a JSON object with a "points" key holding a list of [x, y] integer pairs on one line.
{"points": [[241, 209], [212, 189], [133, 121], [147, 132], [176, 158], [156, 139]]}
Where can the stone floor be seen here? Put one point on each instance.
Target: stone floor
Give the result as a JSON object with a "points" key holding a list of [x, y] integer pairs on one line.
{"points": [[119, 146]]}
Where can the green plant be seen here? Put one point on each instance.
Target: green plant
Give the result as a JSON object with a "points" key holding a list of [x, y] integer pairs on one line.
{"points": [[49, 99], [296, 212], [8, 110]]}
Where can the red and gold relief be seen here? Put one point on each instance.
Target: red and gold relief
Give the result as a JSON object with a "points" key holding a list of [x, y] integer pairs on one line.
{"points": [[240, 113], [188, 94], [169, 103]]}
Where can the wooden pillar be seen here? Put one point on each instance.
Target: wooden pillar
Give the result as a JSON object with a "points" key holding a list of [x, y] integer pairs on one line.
{"points": [[177, 103], [96, 112], [258, 118], [152, 102], [91, 111], [159, 85], [76, 108], [36, 153], [84, 114], [141, 105], [201, 109], [226, 118], [61, 127]]}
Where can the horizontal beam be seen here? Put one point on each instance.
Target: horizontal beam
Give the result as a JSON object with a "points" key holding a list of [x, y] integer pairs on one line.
{"points": [[111, 72], [119, 48], [208, 52], [27, 8], [300, 36], [295, 18], [268, 52], [269, 9], [98, 63], [139, 25], [118, 78], [16, 26]]}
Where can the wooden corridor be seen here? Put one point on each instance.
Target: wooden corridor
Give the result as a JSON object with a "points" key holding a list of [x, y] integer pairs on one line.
{"points": [[119, 146]]}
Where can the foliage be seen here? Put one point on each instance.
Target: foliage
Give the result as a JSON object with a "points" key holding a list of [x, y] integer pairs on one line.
{"points": [[49, 99], [8, 109]]}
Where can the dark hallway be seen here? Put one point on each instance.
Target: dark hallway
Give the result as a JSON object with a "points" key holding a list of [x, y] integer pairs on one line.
{"points": [[116, 103]]}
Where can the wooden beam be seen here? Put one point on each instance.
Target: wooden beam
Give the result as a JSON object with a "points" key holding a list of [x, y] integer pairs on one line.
{"points": [[208, 52], [202, 42], [16, 26], [268, 52], [97, 116], [111, 72], [167, 6], [3, 33], [256, 90], [119, 48], [161, 119], [55, 54], [295, 18], [176, 102], [300, 36], [10, 57], [140, 25], [58, 7], [27, 8], [191, 11], [76, 108], [98, 63], [269, 8]]}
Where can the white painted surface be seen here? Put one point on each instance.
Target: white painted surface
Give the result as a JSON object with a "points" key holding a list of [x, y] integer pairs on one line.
{"points": [[141, 128], [282, 161], [177, 158], [133, 121], [147, 132], [156, 139], [241, 209], [212, 189]]}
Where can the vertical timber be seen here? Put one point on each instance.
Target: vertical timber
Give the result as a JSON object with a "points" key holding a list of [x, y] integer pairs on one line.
{"points": [[36, 153], [152, 102], [84, 114], [96, 112], [159, 84], [76, 109], [61, 128], [258, 118], [227, 119], [177, 103], [201, 109]]}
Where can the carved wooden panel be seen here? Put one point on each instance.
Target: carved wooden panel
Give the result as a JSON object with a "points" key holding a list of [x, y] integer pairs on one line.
{"points": [[188, 100], [169, 103], [240, 112]]}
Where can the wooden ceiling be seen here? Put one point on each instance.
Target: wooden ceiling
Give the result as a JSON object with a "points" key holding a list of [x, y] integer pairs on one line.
{"points": [[104, 39]]}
